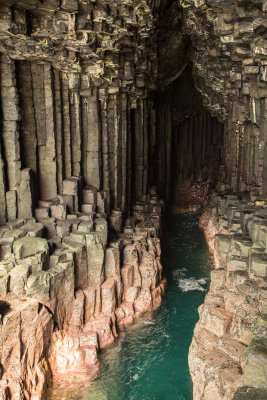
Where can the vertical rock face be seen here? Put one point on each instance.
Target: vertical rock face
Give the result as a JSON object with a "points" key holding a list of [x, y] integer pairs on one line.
{"points": [[103, 105], [228, 349], [70, 75], [119, 93], [73, 75], [229, 61], [224, 46], [62, 284]]}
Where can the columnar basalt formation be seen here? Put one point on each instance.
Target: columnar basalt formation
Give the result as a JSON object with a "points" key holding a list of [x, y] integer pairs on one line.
{"points": [[103, 105], [65, 290], [228, 350], [71, 72], [229, 65], [224, 44], [75, 78]]}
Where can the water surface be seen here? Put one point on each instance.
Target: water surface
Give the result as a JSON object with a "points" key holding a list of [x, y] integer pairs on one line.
{"points": [[149, 360]]}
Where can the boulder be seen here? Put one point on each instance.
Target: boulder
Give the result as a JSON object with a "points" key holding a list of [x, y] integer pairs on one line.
{"points": [[14, 234], [237, 264], [41, 212], [33, 229], [58, 211]]}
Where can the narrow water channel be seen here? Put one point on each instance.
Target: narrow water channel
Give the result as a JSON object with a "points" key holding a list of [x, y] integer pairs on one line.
{"points": [[149, 360]]}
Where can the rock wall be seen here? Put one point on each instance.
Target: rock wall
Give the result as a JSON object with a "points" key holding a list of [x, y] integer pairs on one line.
{"points": [[102, 90], [65, 290], [229, 65], [228, 349], [201, 139], [223, 43], [100, 102], [75, 78], [73, 74]]}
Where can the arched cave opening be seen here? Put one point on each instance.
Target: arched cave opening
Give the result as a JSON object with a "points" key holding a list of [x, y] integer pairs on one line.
{"points": [[189, 148], [109, 109], [167, 141], [176, 146]]}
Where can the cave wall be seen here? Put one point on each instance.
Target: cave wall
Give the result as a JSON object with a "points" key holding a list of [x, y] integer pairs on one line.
{"points": [[75, 78], [224, 45], [229, 66], [189, 145], [198, 145], [98, 89], [117, 97], [76, 112]]}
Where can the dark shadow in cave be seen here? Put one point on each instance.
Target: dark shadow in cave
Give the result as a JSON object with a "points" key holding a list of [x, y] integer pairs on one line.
{"points": [[189, 149]]}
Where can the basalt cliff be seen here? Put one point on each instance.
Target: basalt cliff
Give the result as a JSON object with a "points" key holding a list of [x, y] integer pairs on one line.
{"points": [[111, 113]]}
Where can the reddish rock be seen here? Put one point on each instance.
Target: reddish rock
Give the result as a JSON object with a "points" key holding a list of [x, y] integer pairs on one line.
{"points": [[108, 296], [143, 302], [125, 314], [105, 329], [127, 274]]}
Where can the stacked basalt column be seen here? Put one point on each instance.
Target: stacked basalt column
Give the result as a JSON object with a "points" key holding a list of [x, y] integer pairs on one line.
{"points": [[74, 286], [229, 68], [72, 79], [75, 84], [227, 357]]}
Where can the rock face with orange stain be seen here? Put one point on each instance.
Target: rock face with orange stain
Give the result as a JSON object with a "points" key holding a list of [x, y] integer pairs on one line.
{"points": [[228, 350], [63, 298]]}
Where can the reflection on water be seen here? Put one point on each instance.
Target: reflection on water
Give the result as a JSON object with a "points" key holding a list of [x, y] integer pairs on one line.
{"points": [[149, 360]]}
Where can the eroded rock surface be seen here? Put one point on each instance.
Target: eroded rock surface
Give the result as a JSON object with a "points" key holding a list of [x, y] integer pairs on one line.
{"points": [[229, 346], [103, 105], [64, 296]]}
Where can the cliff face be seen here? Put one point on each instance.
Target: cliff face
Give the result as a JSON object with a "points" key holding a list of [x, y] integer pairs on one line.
{"points": [[229, 64], [70, 74], [74, 80], [66, 290], [114, 91], [224, 44], [103, 105], [228, 349]]}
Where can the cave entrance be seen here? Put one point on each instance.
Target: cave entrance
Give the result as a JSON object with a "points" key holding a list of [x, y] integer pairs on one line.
{"points": [[196, 160], [187, 155]]}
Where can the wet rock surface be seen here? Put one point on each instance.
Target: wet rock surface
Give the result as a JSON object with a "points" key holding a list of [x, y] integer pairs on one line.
{"points": [[103, 105], [64, 298], [228, 349]]}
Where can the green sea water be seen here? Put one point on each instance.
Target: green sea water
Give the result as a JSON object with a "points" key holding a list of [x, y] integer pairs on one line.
{"points": [[149, 360]]}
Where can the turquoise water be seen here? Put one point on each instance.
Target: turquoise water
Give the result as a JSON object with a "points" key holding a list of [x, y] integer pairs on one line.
{"points": [[149, 360]]}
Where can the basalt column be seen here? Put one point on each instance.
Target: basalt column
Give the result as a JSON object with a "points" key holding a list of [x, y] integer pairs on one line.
{"points": [[104, 105], [76, 84], [189, 145]]}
